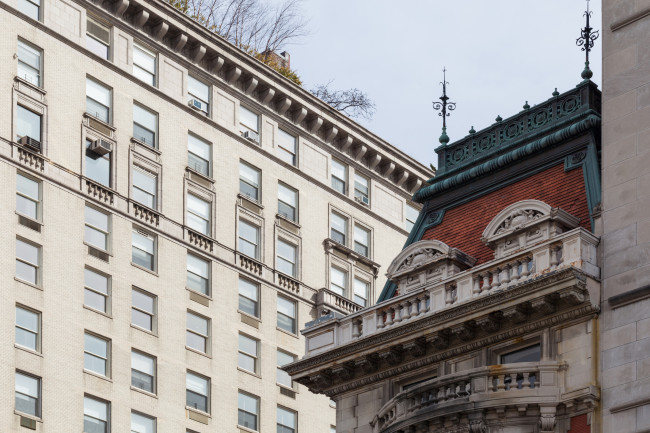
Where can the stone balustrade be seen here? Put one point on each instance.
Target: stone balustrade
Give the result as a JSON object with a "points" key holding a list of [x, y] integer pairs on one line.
{"points": [[328, 302]]}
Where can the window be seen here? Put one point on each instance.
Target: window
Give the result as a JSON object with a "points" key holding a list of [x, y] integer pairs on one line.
{"points": [[283, 377], [96, 415], [145, 125], [411, 216], [98, 38], [96, 291], [339, 176], [28, 325], [286, 261], [249, 181], [28, 124], [198, 332], [98, 100], [28, 197], [361, 190], [248, 296], [287, 147], [361, 292], [144, 64], [27, 262], [142, 423], [98, 167], [249, 237], [198, 214], [28, 394], [198, 274], [143, 371], [332, 429], [143, 309], [143, 250], [248, 411], [528, 354], [199, 155], [361, 241], [247, 358], [30, 63], [287, 202], [286, 314], [197, 392], [338, 228], [31, 8], [199, 92], [286, 420], [97, 228], [338, 281], [249, 122], [144, 187], [96, 354]]}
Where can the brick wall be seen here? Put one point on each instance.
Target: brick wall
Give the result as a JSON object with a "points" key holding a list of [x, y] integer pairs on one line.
{"points": [[579, 424]]}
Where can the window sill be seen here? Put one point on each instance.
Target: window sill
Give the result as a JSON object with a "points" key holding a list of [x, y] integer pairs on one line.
{"points": [[141, 145], [243, 370], [97, 375], [27, 415], [30, 219], [198, 352], [287, 387], [36, 286], [250, 199], [202, 177], [100, 121], [246, 429], [145, 269], [249, 315], [204, 296], [98, 249], [142, 391], [200, 412], [146, 331], [290, 221], [28, 350], [287, 332], [31, 86], [101, 313]]}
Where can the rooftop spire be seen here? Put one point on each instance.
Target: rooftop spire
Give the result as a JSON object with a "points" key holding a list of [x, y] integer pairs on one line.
{"points": [[444, 106], [586, 41]]}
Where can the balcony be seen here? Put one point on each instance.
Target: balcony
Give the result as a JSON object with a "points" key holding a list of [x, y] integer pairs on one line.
{"points": [[328, 302]]}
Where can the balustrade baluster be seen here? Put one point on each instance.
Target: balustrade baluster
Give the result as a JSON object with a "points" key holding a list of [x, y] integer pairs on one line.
{"points": [[423, 305], [553, 258], [515, 271], [486, 282], [398, 314], [414, 307], [380, 319], [524, 267], [389, 317], [406, 306], [506, 276], [476, 285], [501, 382], [525, 383], [495, 278], [355, 329]]}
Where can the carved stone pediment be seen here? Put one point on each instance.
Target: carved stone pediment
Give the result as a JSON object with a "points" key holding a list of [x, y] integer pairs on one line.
{"points": [[523, 224], [426, 262]]}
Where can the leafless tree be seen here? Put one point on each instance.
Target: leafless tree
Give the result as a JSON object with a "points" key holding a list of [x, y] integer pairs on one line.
{"points": [[352, 102]]}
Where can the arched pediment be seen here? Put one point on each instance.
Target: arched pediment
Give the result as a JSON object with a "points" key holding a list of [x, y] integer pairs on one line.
{"points": [[416, 255], [516, 216]]}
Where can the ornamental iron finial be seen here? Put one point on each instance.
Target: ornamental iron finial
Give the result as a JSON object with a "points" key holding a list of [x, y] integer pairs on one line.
{"points": [[586, 41], [444, 106]]}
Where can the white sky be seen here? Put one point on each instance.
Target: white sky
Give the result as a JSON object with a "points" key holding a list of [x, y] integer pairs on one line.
{"points": [[498, 54]]}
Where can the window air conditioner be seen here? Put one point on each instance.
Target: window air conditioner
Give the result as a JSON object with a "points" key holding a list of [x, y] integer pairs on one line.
{"points": [[33, 144], [196, 104], [252, 136], [363, 200], [101, 147]]}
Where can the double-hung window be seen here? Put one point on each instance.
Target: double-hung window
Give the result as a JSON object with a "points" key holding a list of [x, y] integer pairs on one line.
{"points": [[28, 262], [286, 420], [197, 392], [338, 281], [248, 410], [198, 214], [145, 187], [198, 274], [199, 155], [283, 377], [144, 64], [338, 228], [339, 176], [30, 63], [28, 197], [411, 216], [143, 309], [98, 38], [249, 181], [143, 250], [198, 92], [249, 238], [96, 291], [361, 189], [362, 241], [361, 292], [249, 123], [98, 100], [142, 423], [97, 228], [286, 259], [98, 167], [286, 314], [96, 354], [28, 394], [143, 371], [96, 415], [31, 8], [288, 202], [28, 124], [145, 125], [287, 147], [198, 332], [248, 297], [248, 353], [28, 325]]}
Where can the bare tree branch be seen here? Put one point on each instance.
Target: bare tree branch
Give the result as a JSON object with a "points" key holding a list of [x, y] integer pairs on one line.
{"points": [[352, 102]]}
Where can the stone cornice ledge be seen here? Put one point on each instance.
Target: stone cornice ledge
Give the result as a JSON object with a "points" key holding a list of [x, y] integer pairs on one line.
{"points": [[630, 296], [630, 405], [630, 19]]}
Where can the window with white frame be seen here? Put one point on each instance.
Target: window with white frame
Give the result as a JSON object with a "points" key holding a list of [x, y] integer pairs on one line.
{"points": [[97, 228], [198, 214], [338, 281], [248, 297], [28, 124], [199, 155], [339, 176], [145, 187], [249, 239], [143, 371], [362, 241], [98, 38], [287, 258], [28, 325], [199, 94], [142, 423], [288, 202], [361, 189], [198, 274], [98, 100], [143, 251], [287, 147], [248, 353], [250, 179], [361, 292], [98, 167], [197, 392], [28, 197], [96, 354], [28, 394], [28, 262], [248, 410], [198, 332], [31, 8], [338, 228], [286, 314], [145, 125], [96, 415], [143, 309], [411, 216], [144, 64], [283, 377], [30, 63], [96, 291], [249, 123], [286, 420]]}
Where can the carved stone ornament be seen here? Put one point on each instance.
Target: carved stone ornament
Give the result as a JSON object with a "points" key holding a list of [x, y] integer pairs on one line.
{"points": [[477, 426]]}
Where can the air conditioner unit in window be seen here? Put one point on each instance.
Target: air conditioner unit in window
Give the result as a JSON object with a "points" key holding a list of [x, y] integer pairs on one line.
{"points": [[196, 104], [363, 200], [101, 147], [252, 136], [30, 142]]}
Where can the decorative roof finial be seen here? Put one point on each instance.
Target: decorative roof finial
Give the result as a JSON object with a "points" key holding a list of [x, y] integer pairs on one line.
{"points": [[586, 41], [444, 106]]}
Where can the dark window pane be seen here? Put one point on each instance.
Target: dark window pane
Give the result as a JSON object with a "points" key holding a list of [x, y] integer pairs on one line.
{"points": [[248, 190], [248, 420], [286, 323], [138, 318], [286, 211], [529, 354], [142, 258], [94, 300], [197, 401], [92, 425], [248, 306], [26, 404], [141, 380]]}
